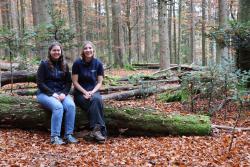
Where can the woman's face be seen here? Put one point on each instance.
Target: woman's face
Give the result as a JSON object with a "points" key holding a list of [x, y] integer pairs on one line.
{"points": [[88, 51], [55, 52]]}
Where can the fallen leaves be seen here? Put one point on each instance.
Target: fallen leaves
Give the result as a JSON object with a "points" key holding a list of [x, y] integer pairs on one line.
{"points": [[32, 148]]}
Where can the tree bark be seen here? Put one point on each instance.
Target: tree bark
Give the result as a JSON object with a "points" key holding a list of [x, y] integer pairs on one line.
{"points": [[109, 38], [221, 49], [203, 32], [163, 35], [26, 113], [18, 76], [244, 52], [191, 57], [148, 31], [118, 48]]}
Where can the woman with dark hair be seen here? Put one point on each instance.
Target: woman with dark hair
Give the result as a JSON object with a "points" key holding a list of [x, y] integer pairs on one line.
{"points": [[54, 83], [87, 77]]}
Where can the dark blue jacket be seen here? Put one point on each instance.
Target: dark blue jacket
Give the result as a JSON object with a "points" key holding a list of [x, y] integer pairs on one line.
{"points": [[87, 73], [54, 80]]}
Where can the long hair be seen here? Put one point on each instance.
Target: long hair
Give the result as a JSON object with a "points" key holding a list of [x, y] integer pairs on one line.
{"points": [[84, 44], [61, 58]]}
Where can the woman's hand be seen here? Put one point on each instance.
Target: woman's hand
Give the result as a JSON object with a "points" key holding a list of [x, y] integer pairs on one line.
{"points": [[55, 95], [88, 95], [62, 96]]}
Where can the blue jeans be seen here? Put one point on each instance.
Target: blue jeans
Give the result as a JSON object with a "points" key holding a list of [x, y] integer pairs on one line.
{"points": [[57, 108], [94, 108]]}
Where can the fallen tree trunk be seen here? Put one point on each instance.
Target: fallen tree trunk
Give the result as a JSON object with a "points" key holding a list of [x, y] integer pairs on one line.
{"points": [[5, 66], [16, 112], [141, 92], [18, 76]]}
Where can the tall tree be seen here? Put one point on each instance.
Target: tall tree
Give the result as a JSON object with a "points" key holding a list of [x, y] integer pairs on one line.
{"points": [[163, 34], [129, 28], [174, 34], [148, 30], [72, 25], [138, 32], [40, 17], [79, 19], [243, 61], [221, 49], [118, 47], [179, 32], [203, 29], [7, 21], [192, 34], [108, 30], [170, 10]]}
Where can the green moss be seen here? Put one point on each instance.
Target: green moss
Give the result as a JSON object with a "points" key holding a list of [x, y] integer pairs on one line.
{"points": [[179, 95]]}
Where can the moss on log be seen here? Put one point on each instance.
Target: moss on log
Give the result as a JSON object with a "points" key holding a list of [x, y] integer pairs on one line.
{"points": [[25, 112]]}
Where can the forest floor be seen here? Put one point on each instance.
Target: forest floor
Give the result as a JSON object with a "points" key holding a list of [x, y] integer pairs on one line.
{"points": [[33, 148]]}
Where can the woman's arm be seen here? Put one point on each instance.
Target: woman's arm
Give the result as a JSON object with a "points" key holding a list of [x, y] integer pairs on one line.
{"points": [[68, 82], [41, 80], [77, 85], [98, 85]]}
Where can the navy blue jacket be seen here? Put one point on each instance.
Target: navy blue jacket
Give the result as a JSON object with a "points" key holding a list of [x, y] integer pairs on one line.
{"points": [[54, 80], [87, 73]]}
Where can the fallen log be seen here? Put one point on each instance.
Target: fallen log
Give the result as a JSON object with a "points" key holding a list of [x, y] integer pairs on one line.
{"points": [[26, 113], [18, 76], [141, 92], [230, 128], [6, 66]]}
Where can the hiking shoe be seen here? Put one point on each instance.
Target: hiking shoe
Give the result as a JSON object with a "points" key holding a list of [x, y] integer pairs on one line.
{"points": [[71, 139], [56, 140], [96, 133]]}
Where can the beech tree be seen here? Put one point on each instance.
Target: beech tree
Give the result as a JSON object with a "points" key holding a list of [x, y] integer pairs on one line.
{"points": [[118, 47], [244, 52], [163, 34], [221, 49]]}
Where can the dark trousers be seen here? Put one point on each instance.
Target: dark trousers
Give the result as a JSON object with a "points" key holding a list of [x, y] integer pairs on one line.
{"points": [[94, 107]]}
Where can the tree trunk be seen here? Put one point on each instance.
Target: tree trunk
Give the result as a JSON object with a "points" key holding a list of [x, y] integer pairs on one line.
{"points": [[221, 50], [40, 16], [163, 35], [73, 53], [138, 32], [170, 32], [148, 30], [18, 76], [26, 113], [179, 32], [203, 31], [192, 34], [174, 34], [107, 2], [244, 52], [79, 19], [118, 47]]}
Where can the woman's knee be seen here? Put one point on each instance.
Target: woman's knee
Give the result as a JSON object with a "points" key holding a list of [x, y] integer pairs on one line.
{"points": [[97, 98]]}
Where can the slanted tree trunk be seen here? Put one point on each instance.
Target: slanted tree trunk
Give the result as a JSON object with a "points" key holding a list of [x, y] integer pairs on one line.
{"points": [[26, 113]]}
